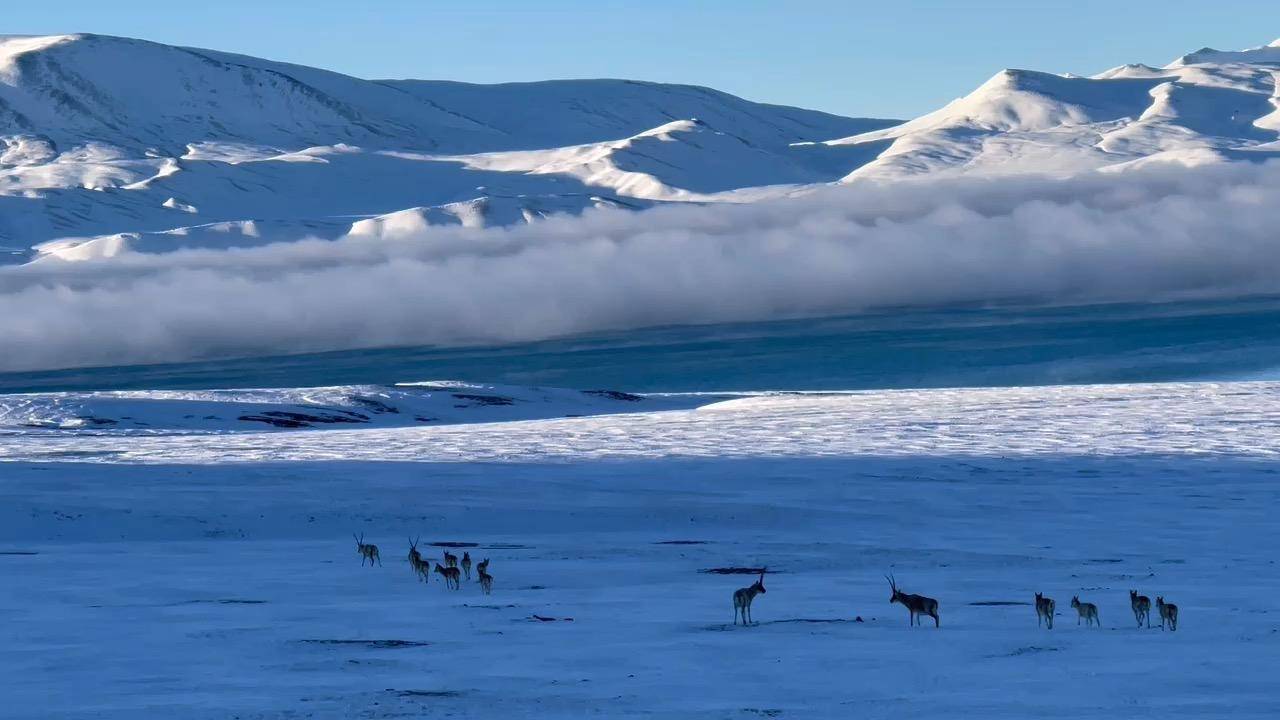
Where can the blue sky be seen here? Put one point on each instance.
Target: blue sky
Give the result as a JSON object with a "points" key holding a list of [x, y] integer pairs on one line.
{"points": [[887, 59]]}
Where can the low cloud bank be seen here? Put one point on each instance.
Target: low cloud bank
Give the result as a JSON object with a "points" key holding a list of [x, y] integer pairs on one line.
{"points": [[1150, 233]]}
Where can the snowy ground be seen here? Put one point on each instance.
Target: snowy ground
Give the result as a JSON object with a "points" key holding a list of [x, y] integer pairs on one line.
{"points": [[213, 575]]}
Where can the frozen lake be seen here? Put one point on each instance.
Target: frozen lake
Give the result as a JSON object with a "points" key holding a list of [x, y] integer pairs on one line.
{"points": [[957, 347]]}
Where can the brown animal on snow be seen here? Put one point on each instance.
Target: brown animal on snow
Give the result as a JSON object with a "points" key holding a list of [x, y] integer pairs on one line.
{"points": [[916, 605]]}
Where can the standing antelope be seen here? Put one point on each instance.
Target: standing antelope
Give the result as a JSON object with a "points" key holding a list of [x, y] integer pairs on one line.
{"points": [[367, 551], [450, 560], [450, 575], [1045, 607], [421, 568], [743, 597], [483, 566], [486, 580], [916, 605], [1141, 605], [1085, 611], [1168, 611], [466, 563]]}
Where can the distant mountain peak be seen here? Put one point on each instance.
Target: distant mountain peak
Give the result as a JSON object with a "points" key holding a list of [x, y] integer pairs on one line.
{"points": [[1268, 54]]}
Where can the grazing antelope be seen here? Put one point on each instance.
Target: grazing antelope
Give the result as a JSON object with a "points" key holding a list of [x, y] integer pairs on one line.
{"points": [[916, 605], [1168, 611], [1141, 605], [743, 597], [450, 560], [486, 580], [1045, 607], [466, 563], [421, 568], [1085, 611], [450, 575], [367, 551]]}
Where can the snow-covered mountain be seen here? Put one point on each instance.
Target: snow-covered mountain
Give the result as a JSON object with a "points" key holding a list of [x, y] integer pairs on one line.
{"points": [[1203, 107], [110, 145]]}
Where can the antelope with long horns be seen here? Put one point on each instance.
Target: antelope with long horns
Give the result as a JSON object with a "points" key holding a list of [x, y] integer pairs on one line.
{"points": [[1045, 608], [421, 568], [1141, 605], [368, 551], [1169, 612], [916, 605], [743, 597], [1088, 612]]}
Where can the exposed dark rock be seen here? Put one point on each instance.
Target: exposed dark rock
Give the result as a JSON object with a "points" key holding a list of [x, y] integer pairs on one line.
{"points": [[484, 399], [287, 419], [379, 644], [614, 395]]}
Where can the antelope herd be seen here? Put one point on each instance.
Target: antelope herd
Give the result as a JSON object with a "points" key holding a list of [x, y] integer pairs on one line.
{"points": [[421, 566], [917, 605]]}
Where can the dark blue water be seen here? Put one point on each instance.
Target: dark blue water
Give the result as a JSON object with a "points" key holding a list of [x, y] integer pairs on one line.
{"points": [[1237, 339]]}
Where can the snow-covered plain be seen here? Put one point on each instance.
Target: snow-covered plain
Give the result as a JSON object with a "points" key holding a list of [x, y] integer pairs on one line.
{"points": [[212, 574]]}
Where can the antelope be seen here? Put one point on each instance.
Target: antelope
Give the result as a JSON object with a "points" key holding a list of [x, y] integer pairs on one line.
{"points": [[1168, 611], [743, 597], [1085, 611], [483, 566], [916, 605], [421, 568], [1045, 607], [367, 551], [450, 575], [486, 580], [450, 560], [1141, 605], [466, 563]]}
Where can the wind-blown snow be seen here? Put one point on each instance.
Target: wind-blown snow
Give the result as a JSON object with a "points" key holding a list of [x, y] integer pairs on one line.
{"points": [[204, 576]]}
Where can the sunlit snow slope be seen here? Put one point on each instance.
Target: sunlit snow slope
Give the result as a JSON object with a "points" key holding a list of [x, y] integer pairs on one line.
{"points": [[111, 145], [1204, 107]]}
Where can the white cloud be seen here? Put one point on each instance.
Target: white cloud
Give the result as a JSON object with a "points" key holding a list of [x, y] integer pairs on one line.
{"points": [[1153, 232]]}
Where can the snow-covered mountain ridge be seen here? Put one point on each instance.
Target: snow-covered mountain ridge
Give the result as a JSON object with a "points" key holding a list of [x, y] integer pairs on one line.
{"points": [[111, 145], [1207, 106], [120, 139]]}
